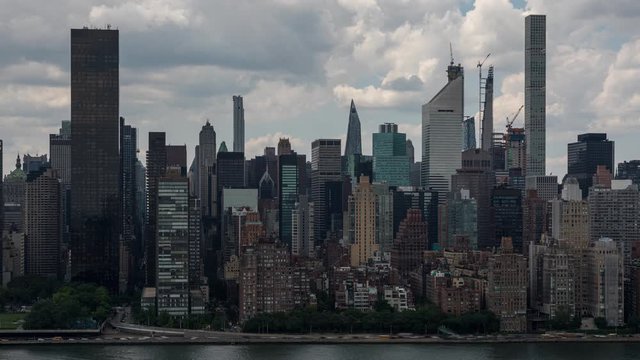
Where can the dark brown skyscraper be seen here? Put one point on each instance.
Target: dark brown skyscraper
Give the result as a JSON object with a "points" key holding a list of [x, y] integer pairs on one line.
{"points": [[95, 161], [1, 192], [156, 169], [43, 223], [477, 176], [411, 241]]}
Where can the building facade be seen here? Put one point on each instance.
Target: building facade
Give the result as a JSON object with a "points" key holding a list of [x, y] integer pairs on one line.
{"points": [[477, 176], [390, 160], [43, 224], [442, 134], [362, 223], [535, 93], [325, 168], [302, 221], [238, 124], [507, 288], [288, 194], [410, 243], [584, 156], [156, 169], [172, 273], [354, 139], [506, 216], [265, 284], [95, 159]]}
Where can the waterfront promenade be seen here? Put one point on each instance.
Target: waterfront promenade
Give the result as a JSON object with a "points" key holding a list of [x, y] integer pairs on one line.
{"points": [[130, 334]]}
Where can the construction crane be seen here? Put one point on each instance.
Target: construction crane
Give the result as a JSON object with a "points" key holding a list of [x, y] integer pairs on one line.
{"points": [[513, 118]]}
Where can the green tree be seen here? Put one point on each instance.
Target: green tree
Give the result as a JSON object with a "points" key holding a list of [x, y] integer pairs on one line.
{"points": [[75, 305], [601, 322]]}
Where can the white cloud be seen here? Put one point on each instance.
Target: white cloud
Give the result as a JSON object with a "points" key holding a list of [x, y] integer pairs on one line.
{"points": [[141, 15], [278, 101], [618, 103], [374, 97], [255, 146], [298, 63]]}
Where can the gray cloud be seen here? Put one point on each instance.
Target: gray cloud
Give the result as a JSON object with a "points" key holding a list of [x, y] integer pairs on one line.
{"points": [[299, 63]]}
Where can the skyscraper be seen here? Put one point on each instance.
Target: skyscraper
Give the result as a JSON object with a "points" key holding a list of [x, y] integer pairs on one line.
{"points": [[411, 152], [390, 160], [615, 213], [195, 240], [462, 218], [476, 176], [410, 243], [156, 169], [1, 191], [128, 159], [265, 284], [172, 234], [535, 93], [13, 197], [33, 163], [288, 193], [177, 158], [302, 241], [60, 153], [442, 134], [534, 219], [515, 149], [363, 223], [325, 168], [469, 133], [406, 198], [140, 219], [205, 174], [60, 161], [95, 160], [507, 288], [629, 170], [506, 216], [354, 139], [238, 124], [43, 224], [570, 216], [584, 156], [384, 216], [487, 115], [230, 167], [284, 146], [545, 186]]}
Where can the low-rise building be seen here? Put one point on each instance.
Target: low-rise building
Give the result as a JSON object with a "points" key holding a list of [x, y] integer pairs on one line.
{"points": [[397, 297]]}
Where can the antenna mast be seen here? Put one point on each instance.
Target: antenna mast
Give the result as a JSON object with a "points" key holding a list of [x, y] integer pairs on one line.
{"points": [[451, 52]]}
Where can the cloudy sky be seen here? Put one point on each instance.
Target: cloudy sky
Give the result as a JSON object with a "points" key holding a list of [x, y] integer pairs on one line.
{"points": [[299, 63]]}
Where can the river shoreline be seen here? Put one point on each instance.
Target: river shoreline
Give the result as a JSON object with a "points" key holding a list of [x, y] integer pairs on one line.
{"points": [[309, 340]]}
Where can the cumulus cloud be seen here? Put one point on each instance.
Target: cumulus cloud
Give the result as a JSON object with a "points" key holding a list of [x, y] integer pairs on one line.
{"points": [[618, 102], [371, 96], [141, 15], [255, 146], [299, 63]]}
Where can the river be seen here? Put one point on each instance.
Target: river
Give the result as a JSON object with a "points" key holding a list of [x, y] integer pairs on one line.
{"points": [[546, 351]]}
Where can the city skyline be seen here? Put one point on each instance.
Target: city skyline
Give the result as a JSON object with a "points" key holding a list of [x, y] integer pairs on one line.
{"points": [[328, 70]]}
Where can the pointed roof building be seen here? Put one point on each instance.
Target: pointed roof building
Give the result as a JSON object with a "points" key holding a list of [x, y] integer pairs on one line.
{"points": [[266, 186], [223, 147], [442, 134], [354, 140]]}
